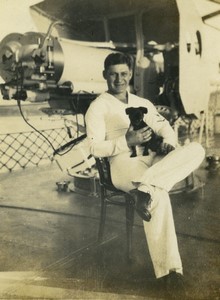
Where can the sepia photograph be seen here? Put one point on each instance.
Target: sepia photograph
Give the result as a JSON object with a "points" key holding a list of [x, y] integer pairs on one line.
{"points": [[110, 149]]}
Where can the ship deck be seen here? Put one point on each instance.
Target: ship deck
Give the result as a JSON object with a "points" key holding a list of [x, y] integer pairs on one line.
{"points": [[49, 246]]}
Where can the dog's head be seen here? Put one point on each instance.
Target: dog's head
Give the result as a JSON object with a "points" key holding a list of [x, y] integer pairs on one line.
{"points": [[136, 114]]}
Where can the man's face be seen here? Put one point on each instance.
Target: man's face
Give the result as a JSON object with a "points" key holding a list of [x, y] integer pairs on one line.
{"points": [[117, 77]]}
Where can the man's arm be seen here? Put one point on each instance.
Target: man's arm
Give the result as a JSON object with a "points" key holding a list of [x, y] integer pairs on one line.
{"points": [[96, 133]]}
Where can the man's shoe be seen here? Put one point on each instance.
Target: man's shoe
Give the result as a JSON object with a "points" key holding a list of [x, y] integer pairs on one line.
{"points": [[142, 205], [175, 287]]}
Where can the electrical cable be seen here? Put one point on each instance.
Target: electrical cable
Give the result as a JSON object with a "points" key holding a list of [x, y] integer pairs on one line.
{"points": [[60, 149], [35, 129]]}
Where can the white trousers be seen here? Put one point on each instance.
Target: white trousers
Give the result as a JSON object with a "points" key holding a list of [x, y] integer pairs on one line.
{"points": [[157, 175]]}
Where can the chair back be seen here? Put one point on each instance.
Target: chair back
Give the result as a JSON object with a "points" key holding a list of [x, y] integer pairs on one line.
{"points": [[103, 168]]}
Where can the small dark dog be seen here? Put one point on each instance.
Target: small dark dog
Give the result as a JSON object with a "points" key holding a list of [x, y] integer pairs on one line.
{"points": [[136, 115]]}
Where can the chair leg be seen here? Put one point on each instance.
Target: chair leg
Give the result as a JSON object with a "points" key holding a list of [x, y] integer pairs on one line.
{"points": [[129, 224], [102, 215]]}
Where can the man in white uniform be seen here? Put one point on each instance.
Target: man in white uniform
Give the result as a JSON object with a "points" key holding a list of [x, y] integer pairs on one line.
{"points": [[111, 135]]}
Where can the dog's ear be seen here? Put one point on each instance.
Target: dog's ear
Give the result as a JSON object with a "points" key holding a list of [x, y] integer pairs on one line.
{"points": [[128, 110], [143, 109]]}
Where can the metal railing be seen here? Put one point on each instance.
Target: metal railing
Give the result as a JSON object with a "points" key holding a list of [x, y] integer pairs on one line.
{"points": [[24, 149]]}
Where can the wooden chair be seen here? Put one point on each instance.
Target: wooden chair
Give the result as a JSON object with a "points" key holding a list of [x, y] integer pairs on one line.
{"points": [[110, 195]]}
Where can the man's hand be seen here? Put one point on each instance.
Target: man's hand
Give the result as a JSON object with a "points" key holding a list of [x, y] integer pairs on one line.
{"points": [[137, 137], [165, 149]]}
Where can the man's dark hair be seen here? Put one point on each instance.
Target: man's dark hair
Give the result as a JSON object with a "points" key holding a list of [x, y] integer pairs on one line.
{"points": [[117, 59]]}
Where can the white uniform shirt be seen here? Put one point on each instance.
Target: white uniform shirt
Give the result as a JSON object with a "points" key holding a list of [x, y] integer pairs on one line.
{"points": [[107, 124]]}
